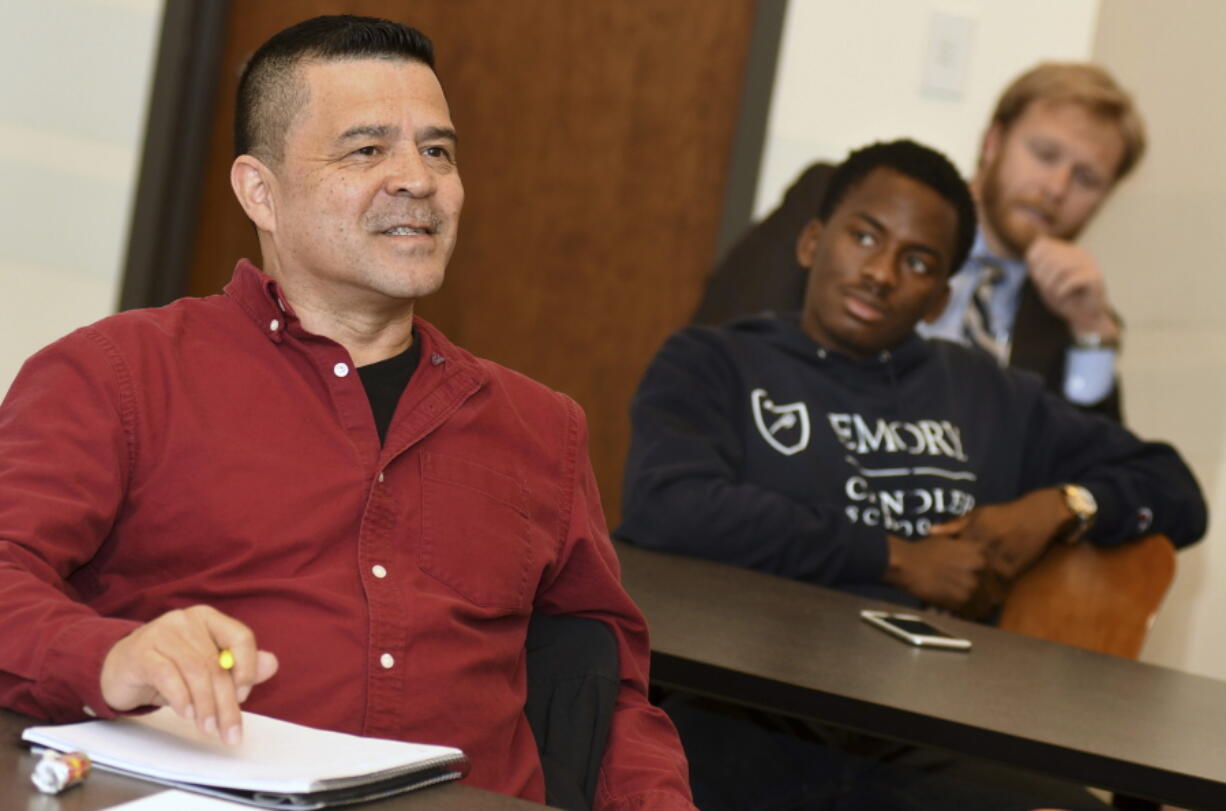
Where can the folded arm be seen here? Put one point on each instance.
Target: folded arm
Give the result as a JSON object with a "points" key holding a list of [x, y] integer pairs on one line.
{"points": [[1140, 488]]}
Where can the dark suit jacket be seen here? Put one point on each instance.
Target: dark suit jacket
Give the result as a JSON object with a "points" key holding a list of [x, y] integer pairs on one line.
{"points": [[760, 273]]}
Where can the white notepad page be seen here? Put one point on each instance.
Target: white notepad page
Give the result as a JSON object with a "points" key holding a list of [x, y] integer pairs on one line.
{"points": [[175, 800], [275, 756]]}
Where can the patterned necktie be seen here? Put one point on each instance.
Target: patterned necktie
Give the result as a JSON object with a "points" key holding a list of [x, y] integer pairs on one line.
{"points": [[977, 320]]}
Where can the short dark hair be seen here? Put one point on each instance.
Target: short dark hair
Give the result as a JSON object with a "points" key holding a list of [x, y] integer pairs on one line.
{"points": [[917, 162], [270, 92]]}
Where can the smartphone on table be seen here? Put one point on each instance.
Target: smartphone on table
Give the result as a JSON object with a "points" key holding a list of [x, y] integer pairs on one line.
{"points": [[914, 630]]}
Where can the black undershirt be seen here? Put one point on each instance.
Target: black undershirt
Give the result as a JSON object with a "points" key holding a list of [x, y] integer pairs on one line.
{"points": [[385, 381]]}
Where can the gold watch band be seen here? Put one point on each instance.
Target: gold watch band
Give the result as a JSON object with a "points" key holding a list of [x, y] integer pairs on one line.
{"points": [[1083, 506]]}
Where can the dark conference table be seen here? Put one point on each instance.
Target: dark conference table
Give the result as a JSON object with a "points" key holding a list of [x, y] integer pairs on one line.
{"points": [[103, 789], [798, 649]]}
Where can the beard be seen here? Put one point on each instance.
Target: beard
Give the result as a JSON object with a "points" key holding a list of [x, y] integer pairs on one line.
{"points": [[1018, 221], [995, 207]]}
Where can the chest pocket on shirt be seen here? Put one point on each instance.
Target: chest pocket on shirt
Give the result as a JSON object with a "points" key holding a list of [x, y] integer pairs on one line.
{"points": [[475, 536]]}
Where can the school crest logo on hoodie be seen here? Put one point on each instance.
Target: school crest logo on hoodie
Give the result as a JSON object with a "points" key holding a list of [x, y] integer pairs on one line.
{"points": [[784, 427]]}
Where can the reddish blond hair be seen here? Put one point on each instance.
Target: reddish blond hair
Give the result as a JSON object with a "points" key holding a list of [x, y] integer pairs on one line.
{"points": [[1081, 83]]}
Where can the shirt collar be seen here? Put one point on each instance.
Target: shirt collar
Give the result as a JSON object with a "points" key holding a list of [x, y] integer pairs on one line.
{"points": [[1014, 269], [260, 297]]}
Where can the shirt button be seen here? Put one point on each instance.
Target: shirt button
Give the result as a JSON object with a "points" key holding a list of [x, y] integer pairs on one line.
{"points": [[274, 325], [340, 369], [380, 477], [378, 571], [387, 661], [88, 710]]}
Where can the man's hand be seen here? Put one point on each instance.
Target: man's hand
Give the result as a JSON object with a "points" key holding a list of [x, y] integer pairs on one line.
{"points": [[942, 571], [1072, 286], [1013, 534], [173, 660]]}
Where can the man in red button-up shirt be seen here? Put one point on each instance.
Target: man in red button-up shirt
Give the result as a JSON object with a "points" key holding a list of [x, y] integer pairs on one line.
{"points": [[303, 473]]}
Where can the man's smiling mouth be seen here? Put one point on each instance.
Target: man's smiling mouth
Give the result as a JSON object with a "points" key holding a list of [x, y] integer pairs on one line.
{"points": [[408, 231]]}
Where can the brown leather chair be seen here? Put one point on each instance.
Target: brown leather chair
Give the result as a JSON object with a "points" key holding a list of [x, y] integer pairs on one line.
{"points": [[1102, 599]]}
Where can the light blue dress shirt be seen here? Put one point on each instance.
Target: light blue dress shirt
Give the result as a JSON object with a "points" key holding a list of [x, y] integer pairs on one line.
{"points": [[1089, 373]]}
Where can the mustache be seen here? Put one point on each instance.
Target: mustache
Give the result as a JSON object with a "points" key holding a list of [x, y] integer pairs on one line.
{"points": [[419, 216]]}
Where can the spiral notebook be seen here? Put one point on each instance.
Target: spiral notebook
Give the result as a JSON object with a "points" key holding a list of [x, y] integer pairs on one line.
{"points": [[278, 765]]}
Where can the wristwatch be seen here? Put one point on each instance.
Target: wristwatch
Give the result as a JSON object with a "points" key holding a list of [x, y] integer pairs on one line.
{"points": [[1093, 340], [1081, 503], [1096, 340]]}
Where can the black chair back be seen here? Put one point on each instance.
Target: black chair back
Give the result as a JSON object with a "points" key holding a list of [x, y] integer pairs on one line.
{"points": [[572, 687]]}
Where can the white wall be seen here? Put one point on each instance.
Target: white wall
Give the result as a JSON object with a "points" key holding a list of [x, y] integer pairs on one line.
{"points": [[1163, 245], [77, 75], [850, 73]]}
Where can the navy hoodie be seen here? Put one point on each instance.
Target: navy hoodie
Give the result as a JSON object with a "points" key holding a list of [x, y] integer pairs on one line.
{"points": [[755, 446]]}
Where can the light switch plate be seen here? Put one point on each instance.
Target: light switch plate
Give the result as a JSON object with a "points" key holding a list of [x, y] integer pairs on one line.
{"points": [[948, 55]]}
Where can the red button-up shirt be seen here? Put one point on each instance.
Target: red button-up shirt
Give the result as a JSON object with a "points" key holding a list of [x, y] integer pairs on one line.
{"points": [[213, 451]]}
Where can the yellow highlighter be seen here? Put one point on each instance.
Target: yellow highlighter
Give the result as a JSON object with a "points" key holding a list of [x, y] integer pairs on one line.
{"points": [[225, 659]]}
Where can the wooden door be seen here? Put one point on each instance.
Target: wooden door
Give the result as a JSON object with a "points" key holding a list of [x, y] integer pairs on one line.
{"points": [[596, 137]]}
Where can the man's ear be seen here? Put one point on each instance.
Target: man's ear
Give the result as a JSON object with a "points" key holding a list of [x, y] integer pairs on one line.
{"points": [[806, 243], [940, 298], [253, 183], [993, 142]]}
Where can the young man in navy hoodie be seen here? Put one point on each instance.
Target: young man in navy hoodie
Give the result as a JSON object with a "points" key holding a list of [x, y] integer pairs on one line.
{"points": [[837, 446]]}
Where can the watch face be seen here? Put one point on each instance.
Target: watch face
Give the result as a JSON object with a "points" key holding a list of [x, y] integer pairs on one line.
{"points": [[1080, 501]]}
